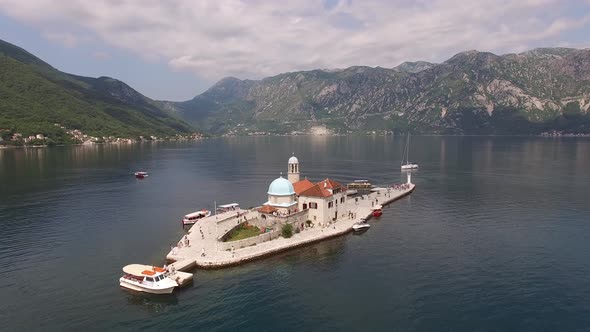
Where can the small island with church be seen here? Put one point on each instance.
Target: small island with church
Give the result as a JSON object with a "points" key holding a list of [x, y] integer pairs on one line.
{"points": [[298, 212]]}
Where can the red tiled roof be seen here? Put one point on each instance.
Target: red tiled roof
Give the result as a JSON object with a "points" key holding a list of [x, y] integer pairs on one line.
{"points": [[301, 186], [317, 190], [267, 209], [330, 184]]}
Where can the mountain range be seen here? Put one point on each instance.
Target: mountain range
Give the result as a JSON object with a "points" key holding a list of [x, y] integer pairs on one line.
{"points": [[541, 90], [37, 98], [473, 92]]}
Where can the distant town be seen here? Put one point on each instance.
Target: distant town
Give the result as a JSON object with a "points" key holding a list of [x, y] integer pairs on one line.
{"points": [[9, 137]]}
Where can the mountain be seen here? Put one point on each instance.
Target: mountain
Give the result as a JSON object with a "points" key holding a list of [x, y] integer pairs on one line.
{"points": [[34, 96], [471, 93]]}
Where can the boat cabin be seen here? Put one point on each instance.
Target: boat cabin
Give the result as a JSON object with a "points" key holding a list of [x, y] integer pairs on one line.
{"points": [[228, 207]]}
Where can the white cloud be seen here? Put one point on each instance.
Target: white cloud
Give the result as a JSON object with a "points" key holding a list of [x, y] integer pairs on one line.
{"points": [[100, 55], [252, 39], [67, 39]]}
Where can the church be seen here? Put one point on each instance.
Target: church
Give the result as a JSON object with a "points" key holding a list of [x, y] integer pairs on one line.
{"points": [[293, 198]]}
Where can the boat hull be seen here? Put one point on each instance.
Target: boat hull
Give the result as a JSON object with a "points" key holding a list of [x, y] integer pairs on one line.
{"points": [[358, 228], [410, 166], [139, 288]]}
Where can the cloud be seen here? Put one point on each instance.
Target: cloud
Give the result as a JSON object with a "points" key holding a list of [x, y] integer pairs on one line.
{"points": [[257, 38], [66, 39], [100, 55]]}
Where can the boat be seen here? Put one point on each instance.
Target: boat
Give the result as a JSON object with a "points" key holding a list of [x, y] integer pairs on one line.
{"points": [[148, 279], [192, 218], [377, 211], [228, 207], [406, 157], [360, 226], [360, 184], [141, 175]]}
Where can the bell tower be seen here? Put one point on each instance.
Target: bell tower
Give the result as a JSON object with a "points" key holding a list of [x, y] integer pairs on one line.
{"points": [[293, 169]]}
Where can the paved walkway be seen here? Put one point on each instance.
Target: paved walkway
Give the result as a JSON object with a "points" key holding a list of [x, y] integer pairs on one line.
{"points": [[202, 237]]}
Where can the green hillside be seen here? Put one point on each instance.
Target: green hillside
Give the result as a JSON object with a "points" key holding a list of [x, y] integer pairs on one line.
{"points": [[34, 96]]}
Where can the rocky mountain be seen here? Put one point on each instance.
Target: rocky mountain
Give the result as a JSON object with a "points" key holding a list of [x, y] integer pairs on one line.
{"points": [[35, 96], [471, 93]]}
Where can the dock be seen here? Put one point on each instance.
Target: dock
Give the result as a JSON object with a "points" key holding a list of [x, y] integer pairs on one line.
{"points": [[205, 250]]}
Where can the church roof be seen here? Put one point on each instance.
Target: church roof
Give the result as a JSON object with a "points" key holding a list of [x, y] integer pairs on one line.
{"points": [[330, 184], [281, 187], [301, 186], [320, 189], [317, 190]]}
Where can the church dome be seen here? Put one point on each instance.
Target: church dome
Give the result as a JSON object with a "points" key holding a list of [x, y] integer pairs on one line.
{"points": [[293, 160], [281, 187]]}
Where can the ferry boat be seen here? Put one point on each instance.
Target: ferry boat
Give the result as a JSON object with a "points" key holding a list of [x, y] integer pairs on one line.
{"points": [[228, 207], [192, 218], [148, 279], [377, 211], [141, 175], [360, 184]]}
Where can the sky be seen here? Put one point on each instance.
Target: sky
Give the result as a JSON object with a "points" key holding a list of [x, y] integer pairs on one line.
{"points": [[176, 49]]}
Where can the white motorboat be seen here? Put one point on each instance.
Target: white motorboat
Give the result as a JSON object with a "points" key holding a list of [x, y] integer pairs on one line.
{"points": [[192, 218], [406, 157], [148, 279], [360, 226]]}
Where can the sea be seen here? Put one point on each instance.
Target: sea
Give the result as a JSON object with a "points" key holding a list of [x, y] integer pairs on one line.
{"points": [[494, 238]]}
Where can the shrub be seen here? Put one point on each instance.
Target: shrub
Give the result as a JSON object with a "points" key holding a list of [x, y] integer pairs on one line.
{"points": [[297, 230], [308, 222], [287, 231]]}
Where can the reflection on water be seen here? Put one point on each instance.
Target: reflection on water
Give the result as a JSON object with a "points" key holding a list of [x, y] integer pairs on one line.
{"points": [[494, 237], [152, 303]]}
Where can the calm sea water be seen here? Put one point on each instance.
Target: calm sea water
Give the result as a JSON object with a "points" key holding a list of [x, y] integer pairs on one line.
{"points": [[495, 238]]}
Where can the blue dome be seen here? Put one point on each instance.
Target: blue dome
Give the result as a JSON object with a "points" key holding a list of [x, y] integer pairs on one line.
{"points": [[281, 187]]}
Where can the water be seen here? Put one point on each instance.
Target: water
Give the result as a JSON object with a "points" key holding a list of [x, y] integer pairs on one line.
{"points": [[495, 237]]}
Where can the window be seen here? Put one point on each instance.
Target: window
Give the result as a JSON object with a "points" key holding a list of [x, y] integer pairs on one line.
{"points": [[330, 204], [313, 205], [149, 279], [304, 206], [342, 200]]}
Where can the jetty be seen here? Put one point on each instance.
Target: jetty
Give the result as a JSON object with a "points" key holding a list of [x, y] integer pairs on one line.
{"points": [[203, 245]]}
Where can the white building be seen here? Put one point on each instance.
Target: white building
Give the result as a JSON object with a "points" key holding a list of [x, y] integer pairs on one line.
{"points": [[320, 200]]}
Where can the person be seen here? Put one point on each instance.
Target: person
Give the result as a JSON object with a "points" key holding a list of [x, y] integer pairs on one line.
{"points": [[172, 269], [203, 252]]}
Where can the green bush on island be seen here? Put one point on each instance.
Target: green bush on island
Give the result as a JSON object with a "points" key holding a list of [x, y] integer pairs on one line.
{"points": [[287, 231]]}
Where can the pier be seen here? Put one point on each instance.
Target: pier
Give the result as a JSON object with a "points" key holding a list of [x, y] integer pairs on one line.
{"points": [[206, 250]]}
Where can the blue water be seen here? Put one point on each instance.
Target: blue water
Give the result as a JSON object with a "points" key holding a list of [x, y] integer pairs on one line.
{"points": [[495, 237]]}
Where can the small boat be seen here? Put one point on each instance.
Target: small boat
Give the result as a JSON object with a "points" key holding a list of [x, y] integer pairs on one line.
{"points": [[360, 226], [351, 192], [141, 175], [377, 211], [192, 218], [148, 279], [408, 165]]}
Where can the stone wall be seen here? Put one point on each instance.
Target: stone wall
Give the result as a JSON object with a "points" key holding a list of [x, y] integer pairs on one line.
{"points": [[250, 241]]}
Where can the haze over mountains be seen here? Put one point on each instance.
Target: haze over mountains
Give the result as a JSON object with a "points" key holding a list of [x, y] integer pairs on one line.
{"points": [[471, 93]]}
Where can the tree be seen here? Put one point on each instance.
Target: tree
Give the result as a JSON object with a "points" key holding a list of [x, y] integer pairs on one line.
{"points": [[287, 231]]}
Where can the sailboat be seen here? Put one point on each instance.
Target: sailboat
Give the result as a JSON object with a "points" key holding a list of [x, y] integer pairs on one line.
{"points": [[406, 157]]}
